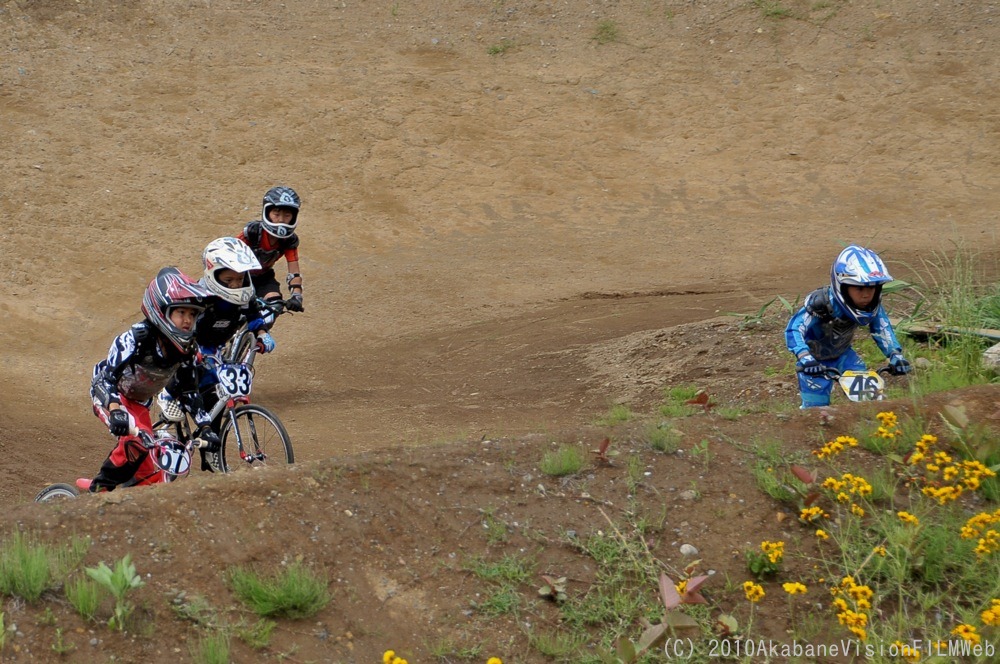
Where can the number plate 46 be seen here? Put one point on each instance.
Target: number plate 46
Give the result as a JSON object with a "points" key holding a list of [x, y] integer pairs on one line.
{"points": [[862, 385]]}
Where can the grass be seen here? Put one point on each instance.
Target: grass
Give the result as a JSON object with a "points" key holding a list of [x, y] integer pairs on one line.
{"points": [[294, 592], [212, 648], [773, 9], [617, 414], [28, 567], [501, 47], [566, 460], [663, 437], [606, 32]]}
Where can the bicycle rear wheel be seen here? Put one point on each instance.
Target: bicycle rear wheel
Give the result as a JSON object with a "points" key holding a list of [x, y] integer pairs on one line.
{"points": [[262, 435], [57, 492]]}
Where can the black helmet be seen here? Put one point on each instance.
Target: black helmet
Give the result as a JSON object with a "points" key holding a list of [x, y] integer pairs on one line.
{"points": [[280, 197], [169, 290]]}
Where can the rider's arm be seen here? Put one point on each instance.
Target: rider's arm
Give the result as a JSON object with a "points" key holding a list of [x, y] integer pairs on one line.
{"points": [[184, 388], [294, 279], [883, 335], [107, 372], [795, 332]]}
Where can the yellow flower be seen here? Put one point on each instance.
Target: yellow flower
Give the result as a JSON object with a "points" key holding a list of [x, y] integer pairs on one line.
{"points": [[857, 510], [967, 632], [880, 550], [811, 513], [681, 589], [991, 616], [821, 534], [909, 653], [494, 660], [906, 517], [388, 656], [753, 591], [794, 588], [773, 550]]}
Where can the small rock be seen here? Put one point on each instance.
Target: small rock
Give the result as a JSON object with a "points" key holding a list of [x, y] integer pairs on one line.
{"points": [[688, 550]]}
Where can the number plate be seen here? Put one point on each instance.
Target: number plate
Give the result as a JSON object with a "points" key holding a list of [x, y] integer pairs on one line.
{"points": [[234, 380], [173, 459], [862, 385]]}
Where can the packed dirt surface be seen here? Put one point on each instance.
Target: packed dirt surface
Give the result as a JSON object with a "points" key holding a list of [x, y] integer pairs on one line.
{"points": [[515, 214]]}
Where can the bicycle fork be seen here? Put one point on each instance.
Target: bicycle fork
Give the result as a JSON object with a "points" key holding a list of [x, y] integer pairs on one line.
{"points": [[246, 454]]}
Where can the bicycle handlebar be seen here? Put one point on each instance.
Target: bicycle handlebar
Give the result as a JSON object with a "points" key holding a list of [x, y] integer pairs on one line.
{"points": [[833, 373]]}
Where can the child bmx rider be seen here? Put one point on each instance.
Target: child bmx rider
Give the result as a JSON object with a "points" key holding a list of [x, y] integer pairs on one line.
{"points": [[141, 361], [820, 334]]}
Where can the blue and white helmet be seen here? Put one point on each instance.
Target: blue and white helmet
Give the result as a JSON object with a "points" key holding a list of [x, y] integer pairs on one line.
{"points": [[229, 253], [857, 266]]}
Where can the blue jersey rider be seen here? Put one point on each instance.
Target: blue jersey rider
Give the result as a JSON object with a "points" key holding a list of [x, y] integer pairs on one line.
{"points": [[821, 333]]}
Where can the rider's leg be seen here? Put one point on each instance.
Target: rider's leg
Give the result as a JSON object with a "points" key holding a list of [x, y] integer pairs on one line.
{"points": [[129, 458], [814, 390]]}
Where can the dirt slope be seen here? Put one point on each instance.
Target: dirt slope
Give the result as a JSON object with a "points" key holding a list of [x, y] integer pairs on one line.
{"points": [[503, 216]]}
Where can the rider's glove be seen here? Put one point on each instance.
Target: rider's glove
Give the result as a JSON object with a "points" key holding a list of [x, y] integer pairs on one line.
{"points": [[266, 343], [899, 364], [118, 422], [810, 366], [294, 303], [209, 439]]}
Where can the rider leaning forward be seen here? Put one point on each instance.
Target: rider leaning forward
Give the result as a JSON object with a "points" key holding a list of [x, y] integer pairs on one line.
{"points": [[141, 362], [820, 334]]}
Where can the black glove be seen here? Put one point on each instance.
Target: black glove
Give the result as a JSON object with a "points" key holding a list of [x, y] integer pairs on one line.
{"points": [[209, 439], [899, 365], [294, 303], [118, 423], [810, 366]]}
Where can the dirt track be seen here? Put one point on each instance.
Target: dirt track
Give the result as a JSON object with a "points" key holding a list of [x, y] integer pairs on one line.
{"points": [[450, 193], [474, 224]]}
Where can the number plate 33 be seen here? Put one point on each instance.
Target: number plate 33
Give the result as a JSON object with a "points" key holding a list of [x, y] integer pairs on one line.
{"points": [[235, 380]]}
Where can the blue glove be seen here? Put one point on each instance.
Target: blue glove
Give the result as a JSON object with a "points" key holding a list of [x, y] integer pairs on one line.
{"points": [[266, 343], [260, 323], [810, 366], [899, 364]]}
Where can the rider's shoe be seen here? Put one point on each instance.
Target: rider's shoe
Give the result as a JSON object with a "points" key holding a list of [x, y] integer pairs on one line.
{"points": [[87, 484], [210, 462], [169, 407]]}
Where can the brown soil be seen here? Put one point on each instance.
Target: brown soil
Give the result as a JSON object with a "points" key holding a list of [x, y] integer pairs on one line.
{"points": [[496, 247]]}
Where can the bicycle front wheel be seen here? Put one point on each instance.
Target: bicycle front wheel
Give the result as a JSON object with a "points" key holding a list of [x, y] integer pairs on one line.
{"points": [[239, 351], [253, 437], [56, 492]]}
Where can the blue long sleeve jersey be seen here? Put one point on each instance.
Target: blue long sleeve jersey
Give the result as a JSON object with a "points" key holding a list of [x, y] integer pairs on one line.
{"points": [[824, 329]]}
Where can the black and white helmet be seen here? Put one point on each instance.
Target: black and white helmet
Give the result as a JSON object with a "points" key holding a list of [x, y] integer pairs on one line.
{"points": [[280, 197], [169, 290], [229, 253]]}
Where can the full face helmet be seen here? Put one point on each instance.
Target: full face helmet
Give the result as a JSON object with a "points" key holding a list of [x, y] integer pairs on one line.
{"points": [[229, 253], [169, 290], [857, 266], [280, 197]]}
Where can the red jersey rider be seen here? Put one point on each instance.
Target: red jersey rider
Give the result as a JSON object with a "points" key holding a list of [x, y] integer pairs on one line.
{"points": [[270, 238], [141, 362]]}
